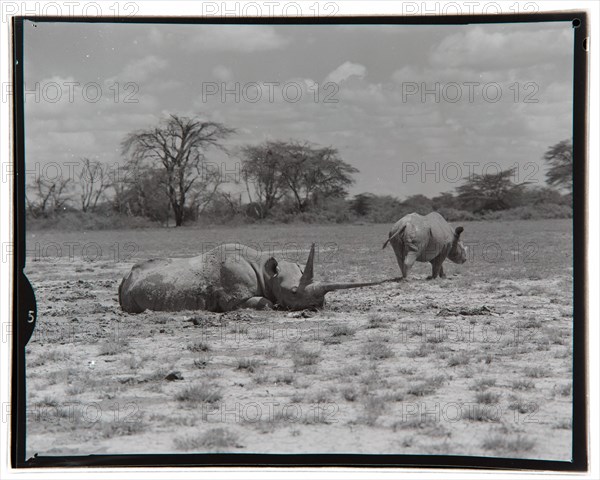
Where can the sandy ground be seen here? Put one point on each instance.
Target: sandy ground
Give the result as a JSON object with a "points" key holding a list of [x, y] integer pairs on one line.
{"points": [[478, 364]]}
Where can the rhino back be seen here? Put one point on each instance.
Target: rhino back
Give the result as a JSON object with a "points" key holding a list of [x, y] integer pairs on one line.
{"points": [[168, 285], [440, 236], [427, 235], [441, 231], [216, 280]]}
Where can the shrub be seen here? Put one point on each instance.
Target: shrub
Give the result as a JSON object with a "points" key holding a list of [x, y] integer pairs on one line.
{"points": [[455, 215], [76, 221]]}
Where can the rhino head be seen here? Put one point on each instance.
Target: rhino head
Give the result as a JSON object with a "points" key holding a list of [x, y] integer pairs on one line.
{"points": [[294, 289], [458, 252]]}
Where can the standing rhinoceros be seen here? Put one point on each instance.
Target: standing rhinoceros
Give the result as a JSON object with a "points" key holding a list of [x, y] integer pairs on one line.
{"points": [[222, 279], [428, 238]]}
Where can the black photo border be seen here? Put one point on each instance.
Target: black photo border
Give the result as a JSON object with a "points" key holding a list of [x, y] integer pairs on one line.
{"points": [[25, 310]]}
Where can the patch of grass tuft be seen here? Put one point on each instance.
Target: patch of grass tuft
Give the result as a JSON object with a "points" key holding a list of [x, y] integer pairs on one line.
{"points": [[342, 330], [483, 383], [202, 393], [113, 346], [536, 372], [248, 364], [564, 390], [377, 350], [214, 439], [523, 384], [515, 445], [349, 393], [377, 320], [427, 386], [487, 397], [302, 357], [523, 406], [458, 359], [198, 347]]}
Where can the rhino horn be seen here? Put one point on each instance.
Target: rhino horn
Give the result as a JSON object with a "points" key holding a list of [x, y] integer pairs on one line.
{"points": [[307, 276], [324, 287]]}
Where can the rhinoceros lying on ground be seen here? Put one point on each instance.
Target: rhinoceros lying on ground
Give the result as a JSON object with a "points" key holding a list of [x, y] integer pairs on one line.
{"points": [[427, 238], [225, 278]]}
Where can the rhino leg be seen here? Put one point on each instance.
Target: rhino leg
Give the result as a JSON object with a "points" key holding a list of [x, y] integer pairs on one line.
{"points": [[436, 267], [399, 252], [409, 261], [258, 303]]}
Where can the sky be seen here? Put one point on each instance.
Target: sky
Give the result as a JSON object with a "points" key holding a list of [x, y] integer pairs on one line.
{"points": [[414, 108]]}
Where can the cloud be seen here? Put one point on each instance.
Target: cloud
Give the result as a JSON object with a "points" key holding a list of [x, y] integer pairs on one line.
{"points": [[236, 38], [156, 37], [223, 73], [345, 71], [498, 48], [142, 69]]}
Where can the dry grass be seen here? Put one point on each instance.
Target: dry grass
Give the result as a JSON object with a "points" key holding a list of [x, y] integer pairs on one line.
{"points": [[377, 320], [215, 439], [285, 378], [515, 445], [342, 331], [250, 365], [427, 386], [202, 393], [202, 362], [302, 357], [483, 383], [373, 407], [487, 397], [198, 347], [113, 346], [536, 372], [523, 384], [523, 406], [123, 428], [459, 359], [564, 390], [378, 350], [350, 393], [374, 352]]}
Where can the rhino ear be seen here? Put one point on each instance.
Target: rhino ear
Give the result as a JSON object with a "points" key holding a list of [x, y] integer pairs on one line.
{"points": [[458, 231], [271, 267]]}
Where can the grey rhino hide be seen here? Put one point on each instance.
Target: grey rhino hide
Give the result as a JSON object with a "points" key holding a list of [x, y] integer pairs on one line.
{"points": [[225, 278], [428, 238]]}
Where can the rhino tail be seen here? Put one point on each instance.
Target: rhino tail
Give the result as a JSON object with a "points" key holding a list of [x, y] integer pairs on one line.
{"points": [[399, 232]]}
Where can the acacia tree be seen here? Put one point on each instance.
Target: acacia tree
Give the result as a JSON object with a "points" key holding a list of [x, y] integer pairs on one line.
{"points": [[418, 203], [361, 203], [560, 160], [492, 191], [443, 200], [178, 145], [93, 182], [261, 173], [299, 170], [311, 173]]}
